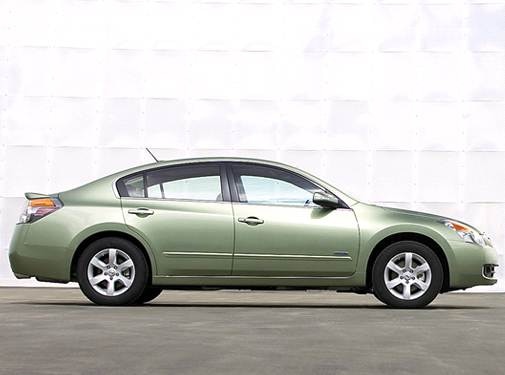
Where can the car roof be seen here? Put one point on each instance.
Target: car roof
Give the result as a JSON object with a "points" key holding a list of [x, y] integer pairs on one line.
{"points": [[218, 159], [174, 162]]}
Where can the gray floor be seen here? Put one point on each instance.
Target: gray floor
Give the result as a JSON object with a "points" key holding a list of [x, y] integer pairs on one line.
{"points": [[53, 331]]}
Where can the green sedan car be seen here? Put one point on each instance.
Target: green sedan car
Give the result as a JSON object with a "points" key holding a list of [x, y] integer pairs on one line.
{"points": [[240, 223]]}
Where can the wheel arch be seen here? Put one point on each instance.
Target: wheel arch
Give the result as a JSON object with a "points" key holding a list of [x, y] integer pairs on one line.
{"points": [[409, 236], [111, 233]]}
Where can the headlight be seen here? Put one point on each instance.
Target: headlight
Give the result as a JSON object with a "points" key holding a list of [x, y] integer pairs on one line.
{"points": [[466, 233]]}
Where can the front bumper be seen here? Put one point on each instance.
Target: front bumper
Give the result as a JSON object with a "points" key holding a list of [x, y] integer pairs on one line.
{"points": [[471, 263]]}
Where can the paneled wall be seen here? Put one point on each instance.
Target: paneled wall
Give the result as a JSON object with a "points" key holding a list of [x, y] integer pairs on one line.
{"points": [[396, 102]]}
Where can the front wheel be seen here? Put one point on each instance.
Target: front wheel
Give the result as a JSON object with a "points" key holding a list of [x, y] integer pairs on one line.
{"points": [[112, 271], [407, 274]]}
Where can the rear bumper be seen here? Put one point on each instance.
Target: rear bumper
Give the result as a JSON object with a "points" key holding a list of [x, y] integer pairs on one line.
{"points": [[29, 260], [470, 265]]}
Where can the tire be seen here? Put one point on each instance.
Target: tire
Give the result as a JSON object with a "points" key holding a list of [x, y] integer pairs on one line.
{"points": [[150, 293], [399, 285], [128, 272]]}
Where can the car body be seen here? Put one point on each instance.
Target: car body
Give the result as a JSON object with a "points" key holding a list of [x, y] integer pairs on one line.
{"points": [[240, 223]]}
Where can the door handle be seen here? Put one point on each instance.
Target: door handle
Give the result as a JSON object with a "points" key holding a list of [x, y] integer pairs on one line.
{"points": [[251, 220], [141, 211]]}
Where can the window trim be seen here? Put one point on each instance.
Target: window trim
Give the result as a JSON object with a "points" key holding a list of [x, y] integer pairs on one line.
{"points": [[223, 177], [235, 198]]}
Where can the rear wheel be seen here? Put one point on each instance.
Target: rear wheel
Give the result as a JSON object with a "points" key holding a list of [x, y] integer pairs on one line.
{"points": [[112, 271], [149, 294], [407, 274]]}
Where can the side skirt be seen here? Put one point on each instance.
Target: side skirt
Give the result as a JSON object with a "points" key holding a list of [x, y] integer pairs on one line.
{"points": [[357, 280]]}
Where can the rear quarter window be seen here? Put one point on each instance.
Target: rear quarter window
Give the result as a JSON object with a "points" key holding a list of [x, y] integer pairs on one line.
{"points": [[131, 186]]}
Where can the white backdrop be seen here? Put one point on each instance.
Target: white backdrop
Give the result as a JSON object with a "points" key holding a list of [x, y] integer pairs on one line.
{"points": [[396, 102]]}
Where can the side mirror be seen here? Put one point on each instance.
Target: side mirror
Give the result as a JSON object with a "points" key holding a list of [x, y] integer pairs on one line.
{"points": [[326, 201]]}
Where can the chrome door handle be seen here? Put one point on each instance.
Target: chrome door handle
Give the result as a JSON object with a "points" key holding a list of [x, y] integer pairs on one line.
{"points": [[251, 220], [140, 211]]}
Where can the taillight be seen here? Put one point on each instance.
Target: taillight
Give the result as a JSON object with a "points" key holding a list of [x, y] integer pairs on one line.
{"points": [[38, 208]]}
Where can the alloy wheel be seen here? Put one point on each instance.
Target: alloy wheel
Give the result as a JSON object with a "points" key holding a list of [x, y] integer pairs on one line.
{"points": [[111, 272], [407, 276]]}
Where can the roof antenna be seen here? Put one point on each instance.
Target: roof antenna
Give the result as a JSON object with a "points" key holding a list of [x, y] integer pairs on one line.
{"points": [[150, 153]]}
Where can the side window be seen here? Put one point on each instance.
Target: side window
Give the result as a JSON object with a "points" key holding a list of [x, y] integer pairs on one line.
{"points": [[193, 182], [264, 185]]}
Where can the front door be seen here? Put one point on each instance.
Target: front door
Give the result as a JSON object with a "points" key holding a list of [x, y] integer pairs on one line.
{"points": [[185, 216], [280, 232]]}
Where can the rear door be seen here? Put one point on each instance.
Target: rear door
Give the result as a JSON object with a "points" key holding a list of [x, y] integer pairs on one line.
{"points": [[280, 232], [184, 213]]}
